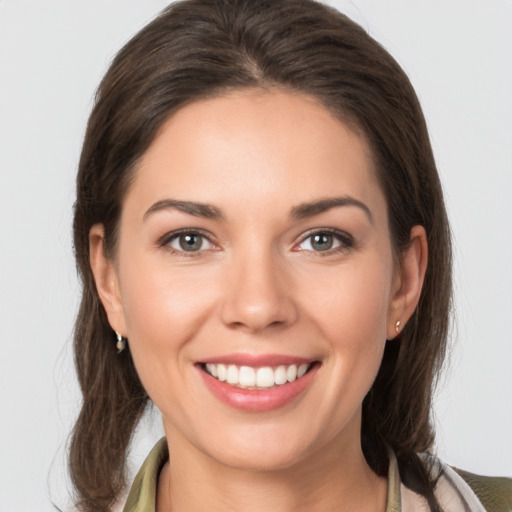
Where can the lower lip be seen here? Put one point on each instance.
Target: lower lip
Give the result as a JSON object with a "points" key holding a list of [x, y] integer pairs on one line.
{"points": [[258, 400]]}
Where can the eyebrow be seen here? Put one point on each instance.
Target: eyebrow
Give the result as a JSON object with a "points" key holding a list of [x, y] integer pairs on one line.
{"points": [[206, 211], [305, 210], [301, 211]]}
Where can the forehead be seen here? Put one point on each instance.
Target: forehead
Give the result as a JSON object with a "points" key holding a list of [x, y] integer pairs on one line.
{"points": [[251, 144]]}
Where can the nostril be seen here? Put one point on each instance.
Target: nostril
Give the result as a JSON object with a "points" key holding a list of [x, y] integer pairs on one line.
{"points": [[258, 312], [277, 323]]}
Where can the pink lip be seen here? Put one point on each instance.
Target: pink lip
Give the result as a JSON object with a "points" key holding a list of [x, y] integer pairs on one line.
{"points": [[257, 361], [258, 400]]}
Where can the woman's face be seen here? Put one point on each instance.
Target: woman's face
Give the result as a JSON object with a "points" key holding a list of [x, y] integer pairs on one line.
{"points": [[253, 245]]}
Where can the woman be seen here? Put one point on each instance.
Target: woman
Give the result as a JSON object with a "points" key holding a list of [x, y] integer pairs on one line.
{"points": [[261, 233]]}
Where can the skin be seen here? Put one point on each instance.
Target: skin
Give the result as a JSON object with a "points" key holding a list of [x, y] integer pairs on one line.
{"points": [[258, 286]]}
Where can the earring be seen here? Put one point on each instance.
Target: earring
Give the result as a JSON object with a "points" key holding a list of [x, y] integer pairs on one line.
{"points": [[397, 326], [121, 342]]}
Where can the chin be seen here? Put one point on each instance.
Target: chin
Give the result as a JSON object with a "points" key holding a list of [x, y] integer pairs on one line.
{"points": [[260, 459], [261, 448]]}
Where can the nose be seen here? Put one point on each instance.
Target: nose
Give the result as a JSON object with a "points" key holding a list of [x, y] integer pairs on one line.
{"points": [[259, 295]]}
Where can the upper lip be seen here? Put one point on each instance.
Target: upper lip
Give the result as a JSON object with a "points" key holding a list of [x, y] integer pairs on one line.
{"points": [[257, 360]]}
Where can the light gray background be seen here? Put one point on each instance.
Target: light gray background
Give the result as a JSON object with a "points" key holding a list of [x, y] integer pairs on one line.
{"points": [[53, 54]]}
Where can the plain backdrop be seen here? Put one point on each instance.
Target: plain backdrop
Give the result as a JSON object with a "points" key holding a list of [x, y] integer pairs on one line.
{"points": [[52, 56]]}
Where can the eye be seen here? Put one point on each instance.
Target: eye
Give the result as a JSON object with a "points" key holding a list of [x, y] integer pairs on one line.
{"points": [[188, 241], [323, 241]]}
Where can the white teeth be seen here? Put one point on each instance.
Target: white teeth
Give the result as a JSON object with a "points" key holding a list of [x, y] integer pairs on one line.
{"points": [[301, 370], [280, 375], [291, 373], [232, 375], [221, 372], [247, 376], [264, 377], [212, 369]]}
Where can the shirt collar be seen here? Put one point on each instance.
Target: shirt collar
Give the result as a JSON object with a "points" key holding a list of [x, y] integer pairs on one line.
{"points": [[142, 495]]}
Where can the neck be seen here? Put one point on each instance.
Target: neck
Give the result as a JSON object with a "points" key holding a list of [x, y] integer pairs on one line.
{"points": [[334, 478]]}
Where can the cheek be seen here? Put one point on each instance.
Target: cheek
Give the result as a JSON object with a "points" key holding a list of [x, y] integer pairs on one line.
{"points": [[163, 317], [163, 311], [352, 303], [351, 312], [161, 301]]}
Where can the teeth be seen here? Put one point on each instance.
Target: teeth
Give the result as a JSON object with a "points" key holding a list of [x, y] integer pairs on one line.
{"points": [[221, 372], [264, 377], [232, 375], [247, 376], [301, 370], [280, 375], [212, 369], [291, 373]]}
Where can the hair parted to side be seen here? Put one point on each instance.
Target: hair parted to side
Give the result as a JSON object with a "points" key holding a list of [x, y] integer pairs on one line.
{"points": [[203, 48]]}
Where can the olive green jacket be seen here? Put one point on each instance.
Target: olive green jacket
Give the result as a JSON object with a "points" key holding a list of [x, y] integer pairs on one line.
{"points": [[456, 490]]}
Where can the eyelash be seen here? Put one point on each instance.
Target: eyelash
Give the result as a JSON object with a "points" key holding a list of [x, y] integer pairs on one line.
{"points": [[166, 240], [345, 241]]}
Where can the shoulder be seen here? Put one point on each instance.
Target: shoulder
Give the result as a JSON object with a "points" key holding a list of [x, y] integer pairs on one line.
{"points": [[495, 493], [455, 490]]}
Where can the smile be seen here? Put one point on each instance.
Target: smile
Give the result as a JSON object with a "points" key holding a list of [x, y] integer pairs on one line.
{"points": [[247, 377], [258, 383]]}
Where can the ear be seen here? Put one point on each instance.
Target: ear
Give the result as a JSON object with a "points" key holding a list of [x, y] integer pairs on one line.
{"points": [[107, 282], [408, 281]]}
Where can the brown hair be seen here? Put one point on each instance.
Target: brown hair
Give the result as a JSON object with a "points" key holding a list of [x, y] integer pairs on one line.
{"points": [[201, 48]]}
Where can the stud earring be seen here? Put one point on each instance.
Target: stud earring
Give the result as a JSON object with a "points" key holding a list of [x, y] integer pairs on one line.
{"points": [[121, 342], [397, 326]]}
